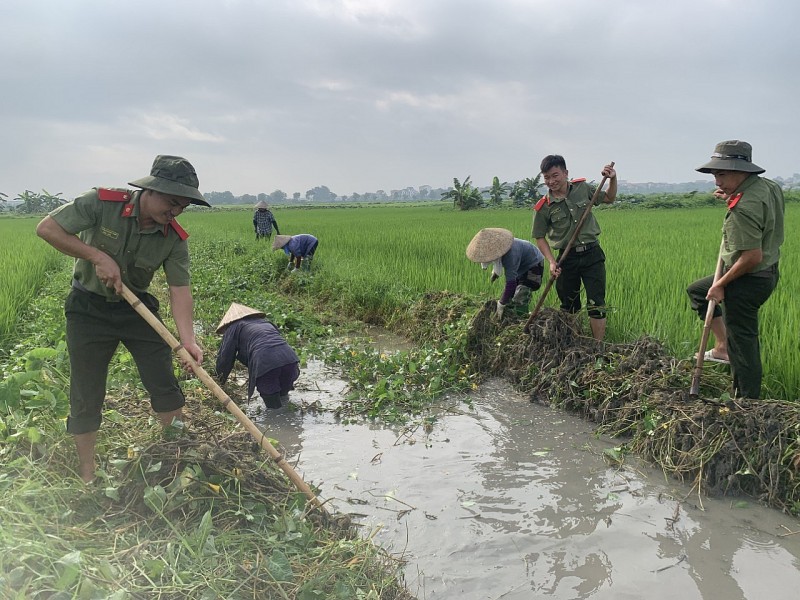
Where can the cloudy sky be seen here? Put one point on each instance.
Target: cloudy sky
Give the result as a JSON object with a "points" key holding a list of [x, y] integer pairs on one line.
{"points": [[361, 95]]}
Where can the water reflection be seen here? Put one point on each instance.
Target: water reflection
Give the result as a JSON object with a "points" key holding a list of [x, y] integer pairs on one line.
{"points": [[512, 500]]}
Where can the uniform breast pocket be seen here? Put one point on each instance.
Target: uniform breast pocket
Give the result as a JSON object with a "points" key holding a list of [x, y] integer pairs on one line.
{"points": [[141, 271], [108, 244]]}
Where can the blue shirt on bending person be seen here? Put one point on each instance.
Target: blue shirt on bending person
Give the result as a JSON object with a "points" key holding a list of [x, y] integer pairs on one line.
{"points": [[300, 248]]}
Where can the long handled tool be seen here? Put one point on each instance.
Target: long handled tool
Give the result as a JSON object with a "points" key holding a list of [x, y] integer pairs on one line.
{"points": [[565, 252], [178, 348], [694, 390]]}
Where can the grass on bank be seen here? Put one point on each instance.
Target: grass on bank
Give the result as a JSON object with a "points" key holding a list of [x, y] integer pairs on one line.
{"points": [[200, 514]]}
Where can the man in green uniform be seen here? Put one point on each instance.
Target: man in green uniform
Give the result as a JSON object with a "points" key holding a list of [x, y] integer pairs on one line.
{"points": [[122, 236], [752, 234], [557, 216]]}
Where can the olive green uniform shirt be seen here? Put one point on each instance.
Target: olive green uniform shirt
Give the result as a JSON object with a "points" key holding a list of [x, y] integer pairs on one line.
{"points": [[113, 227], [557, 218], [754, 220]]}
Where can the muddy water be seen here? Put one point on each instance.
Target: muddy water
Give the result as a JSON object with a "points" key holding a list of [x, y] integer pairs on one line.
{"points": [[506, 499]]}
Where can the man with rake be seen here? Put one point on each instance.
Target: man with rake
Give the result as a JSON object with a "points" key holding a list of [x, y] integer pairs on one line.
{"points": [[752, 234], [120, 236]]}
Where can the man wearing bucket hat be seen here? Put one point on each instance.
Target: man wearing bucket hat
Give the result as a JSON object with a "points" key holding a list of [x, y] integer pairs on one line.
{"points": [[520, 261], [557, 216], [752, 234], [272, 365], [300, 248], [264, 221], [120, 236]]}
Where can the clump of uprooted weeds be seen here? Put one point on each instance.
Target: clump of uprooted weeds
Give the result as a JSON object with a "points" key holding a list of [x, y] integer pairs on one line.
{"points": [[638, 390], [198, 513]]}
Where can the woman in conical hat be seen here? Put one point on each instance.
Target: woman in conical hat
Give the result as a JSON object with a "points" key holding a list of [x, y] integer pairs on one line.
{"points": [[520, 260], [272, 365], [300, 248], [264, 221]]}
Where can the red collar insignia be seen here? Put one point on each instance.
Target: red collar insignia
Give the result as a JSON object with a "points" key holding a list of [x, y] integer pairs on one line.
{"points": [[541, 203], [734, 200], [182, 233], [127, 210]]}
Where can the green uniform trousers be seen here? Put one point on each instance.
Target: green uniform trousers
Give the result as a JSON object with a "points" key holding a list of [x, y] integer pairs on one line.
{"points": [[95, 329], [587, 266], [743, 298]]}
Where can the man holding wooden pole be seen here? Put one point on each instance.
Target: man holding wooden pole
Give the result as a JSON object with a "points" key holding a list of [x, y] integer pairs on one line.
{"points": [[557, 216], [119, 238], [752, 234]]}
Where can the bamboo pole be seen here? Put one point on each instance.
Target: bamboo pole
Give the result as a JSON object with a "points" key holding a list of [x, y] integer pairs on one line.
{"points": [[694, 389]]}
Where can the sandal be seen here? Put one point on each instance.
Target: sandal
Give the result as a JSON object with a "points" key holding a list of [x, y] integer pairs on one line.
{"points": [[709, 357]]}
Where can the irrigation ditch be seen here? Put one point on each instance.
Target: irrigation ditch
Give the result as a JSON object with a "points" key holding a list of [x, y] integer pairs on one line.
{"points": [[639, 393]]}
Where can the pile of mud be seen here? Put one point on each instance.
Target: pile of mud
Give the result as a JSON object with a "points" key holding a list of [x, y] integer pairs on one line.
{"points": [[637, 390]]}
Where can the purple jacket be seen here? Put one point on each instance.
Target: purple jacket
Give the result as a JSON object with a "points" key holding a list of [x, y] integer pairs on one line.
{"points": [[258, 345]]}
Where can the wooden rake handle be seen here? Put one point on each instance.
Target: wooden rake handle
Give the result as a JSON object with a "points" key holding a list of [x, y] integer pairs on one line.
{"points": [[229, 404], [694, 389]]}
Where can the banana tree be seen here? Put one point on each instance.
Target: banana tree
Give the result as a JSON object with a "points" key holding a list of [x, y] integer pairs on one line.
{"points": [[498, 191], [464, 195], [526, 192]]}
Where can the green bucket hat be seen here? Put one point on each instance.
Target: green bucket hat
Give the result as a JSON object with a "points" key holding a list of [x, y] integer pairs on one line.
{"points": [[175, 176], [732, 155]]}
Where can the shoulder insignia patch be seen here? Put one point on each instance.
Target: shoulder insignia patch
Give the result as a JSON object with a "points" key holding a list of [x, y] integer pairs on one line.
{"points": [[541, 203], [108, 195], [182, 233], [579, 180], [734, 200]]}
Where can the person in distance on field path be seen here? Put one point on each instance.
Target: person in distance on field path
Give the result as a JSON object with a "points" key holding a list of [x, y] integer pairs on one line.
{"points": [[123, 236], [264, 221], [557, 215], [521, 261], [752, 234], [272, 365], [300, 248]]}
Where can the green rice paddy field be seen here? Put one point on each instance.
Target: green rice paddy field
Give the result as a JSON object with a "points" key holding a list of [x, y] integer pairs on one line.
{"points": [[404, 251]]}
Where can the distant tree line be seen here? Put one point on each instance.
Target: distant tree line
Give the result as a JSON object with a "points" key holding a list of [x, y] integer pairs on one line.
{"points": [[463, 194]]}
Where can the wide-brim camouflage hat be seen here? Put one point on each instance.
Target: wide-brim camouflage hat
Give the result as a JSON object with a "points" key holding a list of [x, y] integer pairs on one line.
{"points": [[731, 155], [235, 312], [280, 241], [489, 244], [262, 204], [175, 176]]}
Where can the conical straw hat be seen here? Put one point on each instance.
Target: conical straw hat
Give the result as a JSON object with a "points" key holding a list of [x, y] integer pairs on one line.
{"points": [[262, 204], [236, 312], [489, 244], [280, 241]]}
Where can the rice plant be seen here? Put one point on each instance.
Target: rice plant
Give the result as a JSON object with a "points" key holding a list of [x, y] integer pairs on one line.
{"points": [[652, 256], [26, 260]]}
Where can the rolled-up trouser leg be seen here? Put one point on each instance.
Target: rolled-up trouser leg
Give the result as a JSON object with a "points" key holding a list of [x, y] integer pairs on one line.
{"points": [[697, 291], [593, 276], [153, 358]]}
